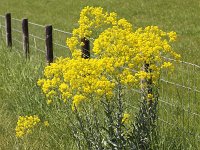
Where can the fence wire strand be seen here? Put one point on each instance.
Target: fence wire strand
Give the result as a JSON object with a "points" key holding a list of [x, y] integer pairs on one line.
{"points": [[60, 45], [18, 31], [61, 31], [17, 41], [35, 24], [15, 19], [179, 85], [36, 37], [38, 49], [170, 104], [181, 61], [172, 124]]}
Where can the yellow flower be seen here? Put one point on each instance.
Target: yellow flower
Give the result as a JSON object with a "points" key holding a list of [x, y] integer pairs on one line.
{"points": [[77, 100], [172, 35], [46, 123], [40, 82], [150, 96], [125, 118], [49, 102], [25, 124], [166, 65]]}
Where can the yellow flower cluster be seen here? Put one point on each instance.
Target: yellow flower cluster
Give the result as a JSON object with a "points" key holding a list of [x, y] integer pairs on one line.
{"points": [[46, 123], [93, 17], [120, 57], [90, 18], [135, 49], [25, 124], [78, 79], [127, 48]]}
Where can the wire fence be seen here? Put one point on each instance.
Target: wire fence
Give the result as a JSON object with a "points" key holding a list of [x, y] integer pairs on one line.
{"points": [[179, 101]]}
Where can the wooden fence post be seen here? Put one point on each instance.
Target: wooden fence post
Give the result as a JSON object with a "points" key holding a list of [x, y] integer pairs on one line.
{"points": [[49, 44], [25, 37], [149, 88], [85, 48], [8, 30], [147, 85]]}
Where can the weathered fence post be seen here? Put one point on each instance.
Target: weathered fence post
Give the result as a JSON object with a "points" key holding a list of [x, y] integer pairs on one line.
{"points": [[8, 30], [25, 37], [49, 44], [85, 48]]}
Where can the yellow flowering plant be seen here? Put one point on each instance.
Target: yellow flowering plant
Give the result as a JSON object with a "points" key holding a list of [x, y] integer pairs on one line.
{"points": [[26, 124], [121, 57]]}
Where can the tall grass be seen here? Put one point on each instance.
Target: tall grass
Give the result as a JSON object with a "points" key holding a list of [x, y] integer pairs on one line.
{"points": [[19, 95]]}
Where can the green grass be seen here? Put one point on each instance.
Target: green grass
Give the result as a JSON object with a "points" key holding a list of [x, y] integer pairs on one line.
{"points": [[19, 94], [181, 16]]}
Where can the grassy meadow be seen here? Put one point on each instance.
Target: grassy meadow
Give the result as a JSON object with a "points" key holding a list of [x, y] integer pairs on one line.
{"points": [[181, 16], [19, 95]]}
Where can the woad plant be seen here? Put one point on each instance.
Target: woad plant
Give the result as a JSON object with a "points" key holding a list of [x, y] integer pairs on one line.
{"points": [[97, 86]]}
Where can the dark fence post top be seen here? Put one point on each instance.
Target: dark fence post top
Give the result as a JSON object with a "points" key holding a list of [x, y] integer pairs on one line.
{"points": [[25, 37], [49, 43], [85, 48], [8, 29]]}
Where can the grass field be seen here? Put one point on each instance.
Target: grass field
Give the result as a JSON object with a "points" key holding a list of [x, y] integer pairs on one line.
{"points": [[19, 94], [181, 16]]}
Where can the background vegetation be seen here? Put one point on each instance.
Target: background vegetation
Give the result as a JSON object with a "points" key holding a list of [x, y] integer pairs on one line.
{"points": [[19, 94]]}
